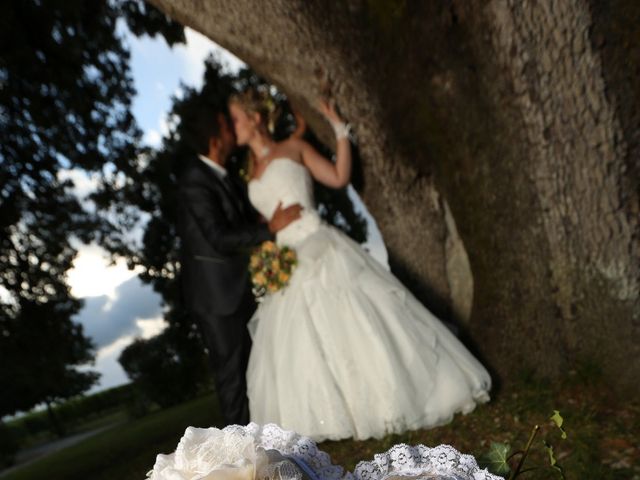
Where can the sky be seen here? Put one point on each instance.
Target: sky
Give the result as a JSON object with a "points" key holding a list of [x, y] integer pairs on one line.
{"points": [[118, 307]]}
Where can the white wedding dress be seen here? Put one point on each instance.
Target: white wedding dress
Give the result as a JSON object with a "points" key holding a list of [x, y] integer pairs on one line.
{"points": [[345, 350]]}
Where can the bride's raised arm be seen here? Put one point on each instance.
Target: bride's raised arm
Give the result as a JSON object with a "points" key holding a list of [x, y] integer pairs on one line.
{"points": [[334, 175]]}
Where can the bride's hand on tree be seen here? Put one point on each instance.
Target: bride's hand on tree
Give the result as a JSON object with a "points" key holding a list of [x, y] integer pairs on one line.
{"points": [[333, 175], [328, 108], [341, 128]]}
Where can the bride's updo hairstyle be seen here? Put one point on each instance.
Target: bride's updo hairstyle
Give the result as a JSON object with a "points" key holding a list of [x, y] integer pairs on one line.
{"points": [[258, 100]]}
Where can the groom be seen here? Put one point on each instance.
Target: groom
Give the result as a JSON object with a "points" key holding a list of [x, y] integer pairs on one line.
{"points": [[218, 227]]}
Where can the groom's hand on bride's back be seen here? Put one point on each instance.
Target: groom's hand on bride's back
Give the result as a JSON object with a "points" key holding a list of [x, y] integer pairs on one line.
{"points": [[284, 216]]}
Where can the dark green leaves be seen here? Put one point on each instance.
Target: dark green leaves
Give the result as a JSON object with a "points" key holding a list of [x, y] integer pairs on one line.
{"points": [[496, 459]]}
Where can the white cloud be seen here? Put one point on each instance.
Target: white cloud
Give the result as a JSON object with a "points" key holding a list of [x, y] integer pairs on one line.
{"points": [[83, 182], [112, 373], [114, 349], [114, 322], [152, 138], [107, 357], [146, 328], [106, 319], [164, 126], [150, 327], [91, 274], [118, 308]]}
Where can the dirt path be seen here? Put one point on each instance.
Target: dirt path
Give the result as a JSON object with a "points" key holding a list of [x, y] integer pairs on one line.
{"points": [[25, 457]]}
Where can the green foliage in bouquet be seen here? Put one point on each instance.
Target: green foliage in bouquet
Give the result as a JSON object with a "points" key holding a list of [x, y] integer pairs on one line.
{"points": [[271, 268]]}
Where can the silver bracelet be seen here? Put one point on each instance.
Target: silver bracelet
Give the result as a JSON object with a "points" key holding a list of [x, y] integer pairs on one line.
{"points": [[342, 130]]}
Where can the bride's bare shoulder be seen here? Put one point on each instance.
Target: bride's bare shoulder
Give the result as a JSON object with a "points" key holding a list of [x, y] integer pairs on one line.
{"points": [[294, 143], [293, 148]]}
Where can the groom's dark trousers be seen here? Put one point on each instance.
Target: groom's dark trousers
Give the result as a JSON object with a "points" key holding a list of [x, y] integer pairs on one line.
{"points": [[218, 228]]}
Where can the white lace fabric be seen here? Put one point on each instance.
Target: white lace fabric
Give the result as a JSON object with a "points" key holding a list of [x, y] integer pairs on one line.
{"points": [[241, 453], [253, 452], [420, 462]]}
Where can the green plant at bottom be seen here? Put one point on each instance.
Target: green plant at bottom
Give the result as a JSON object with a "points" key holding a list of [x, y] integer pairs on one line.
{"points": [[499, 457]]}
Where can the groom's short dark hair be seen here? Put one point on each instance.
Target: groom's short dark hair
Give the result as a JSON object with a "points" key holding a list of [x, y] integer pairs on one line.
{"points": [[200, 125]]}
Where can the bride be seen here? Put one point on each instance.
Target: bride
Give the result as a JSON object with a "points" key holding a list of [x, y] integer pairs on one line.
{"points": [[344, 350]]}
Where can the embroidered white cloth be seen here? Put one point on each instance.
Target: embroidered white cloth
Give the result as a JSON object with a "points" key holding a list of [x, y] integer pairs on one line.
{"points": [[406, 462], [268, 452], [245, 453]]}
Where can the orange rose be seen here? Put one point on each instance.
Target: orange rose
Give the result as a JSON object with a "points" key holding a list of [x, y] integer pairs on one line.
{"points": [[255, 261], [283, 277], [269, 247], [259, 279]]}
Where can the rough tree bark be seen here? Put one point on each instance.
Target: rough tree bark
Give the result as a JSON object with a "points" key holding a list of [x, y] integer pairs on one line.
{"points": [[522, 115]]}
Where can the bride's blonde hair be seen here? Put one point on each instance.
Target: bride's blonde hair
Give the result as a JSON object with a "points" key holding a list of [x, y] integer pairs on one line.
{"points": [[257, 100]]}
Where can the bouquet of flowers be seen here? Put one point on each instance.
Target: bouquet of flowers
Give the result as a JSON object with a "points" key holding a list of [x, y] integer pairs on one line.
{"points": [[271, 268]]}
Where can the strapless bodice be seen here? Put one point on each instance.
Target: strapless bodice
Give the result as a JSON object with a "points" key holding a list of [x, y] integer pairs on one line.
{"points": [[289, 182]]}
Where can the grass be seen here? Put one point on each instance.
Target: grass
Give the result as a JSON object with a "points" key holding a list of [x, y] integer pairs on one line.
{"points": [[102, 419], [124, 452], [602, 435], [116, 416], [111, 418], [602, 440]]}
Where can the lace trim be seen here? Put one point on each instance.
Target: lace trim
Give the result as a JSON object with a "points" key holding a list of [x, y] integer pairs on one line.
{"points": [[272, 453], [271, 436], [202, 448], [442, 462], [285, 470], [242, 450]]}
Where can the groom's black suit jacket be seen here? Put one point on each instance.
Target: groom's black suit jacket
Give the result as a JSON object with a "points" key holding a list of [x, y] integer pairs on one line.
{"points": [[217, 227]]}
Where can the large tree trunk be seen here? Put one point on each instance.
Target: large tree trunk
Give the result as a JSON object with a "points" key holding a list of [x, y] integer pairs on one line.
{"points": [[523, 116]]}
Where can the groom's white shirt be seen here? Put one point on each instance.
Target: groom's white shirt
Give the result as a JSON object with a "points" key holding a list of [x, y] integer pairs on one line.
{"points": [[218, 169]]}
